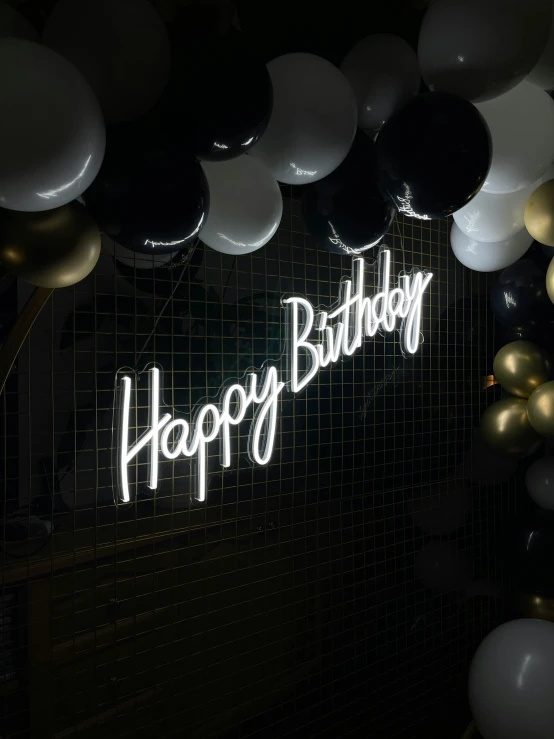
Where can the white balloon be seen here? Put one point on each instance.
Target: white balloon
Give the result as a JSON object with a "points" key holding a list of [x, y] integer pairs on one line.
{"points": [[384, 73], [521, 124], [488, 256], [122, 48], [511, 681], [52, 136], [245, 205], [481, 48], [542, 73], [539, 481], [313, 122], [494, 216], [14, 25]]}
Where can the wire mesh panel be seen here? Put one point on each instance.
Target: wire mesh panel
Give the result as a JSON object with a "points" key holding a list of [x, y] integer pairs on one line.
{"points": [[337, 591]]}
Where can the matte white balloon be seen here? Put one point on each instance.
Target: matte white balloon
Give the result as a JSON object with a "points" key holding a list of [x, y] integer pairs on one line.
{"points": [[245, 205], [542, 73], [384, 73], [494, 216], [481, 48], [14, 25], [488, 256], [521, 124], [511, 681], [52, 136], [313, 122], [539, 481], [122, 48]]}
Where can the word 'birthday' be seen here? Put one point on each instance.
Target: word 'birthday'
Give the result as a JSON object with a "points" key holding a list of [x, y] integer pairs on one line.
{"points": [[315, 339]]}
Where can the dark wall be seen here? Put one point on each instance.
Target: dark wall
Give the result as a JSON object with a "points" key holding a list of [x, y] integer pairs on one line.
{"points": [[338, 592]]}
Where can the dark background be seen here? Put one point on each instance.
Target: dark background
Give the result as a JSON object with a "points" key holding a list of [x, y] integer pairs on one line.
{"points": [[338, 592]]}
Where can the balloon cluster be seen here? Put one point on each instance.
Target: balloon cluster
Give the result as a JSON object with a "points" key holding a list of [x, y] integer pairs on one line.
{"points": [[521, 303], [505, 72], [169, 141], [166, 141], [514, 425]]}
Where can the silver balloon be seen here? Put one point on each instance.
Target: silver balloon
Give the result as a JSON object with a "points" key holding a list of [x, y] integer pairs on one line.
{"points": [[511, 681]]}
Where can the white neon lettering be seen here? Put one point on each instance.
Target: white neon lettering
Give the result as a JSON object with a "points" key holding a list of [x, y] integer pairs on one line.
{"points": [[298, 341], [265, 420], [228, 420], [126, 454], [124, 443], [359, 317], [180, 446]]}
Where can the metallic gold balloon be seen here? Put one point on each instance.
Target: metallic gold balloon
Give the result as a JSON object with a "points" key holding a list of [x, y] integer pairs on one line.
{"points": [[539, 214], [540, 409], [506, 429], [520, 367], [535, 606], [550, 280], [53, 248]]}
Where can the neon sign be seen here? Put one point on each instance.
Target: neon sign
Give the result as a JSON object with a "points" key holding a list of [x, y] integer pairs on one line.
{"points": [[315, 339]]}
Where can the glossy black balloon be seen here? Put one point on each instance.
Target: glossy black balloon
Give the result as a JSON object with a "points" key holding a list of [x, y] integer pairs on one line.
{"points": [[434, 155], [346, 212], [519, 297], [219, 98], [151, 200], [534, 552]]}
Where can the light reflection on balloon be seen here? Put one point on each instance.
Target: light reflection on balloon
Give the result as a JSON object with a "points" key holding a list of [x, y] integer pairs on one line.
{"points": [[246, 205], [54, 193]]}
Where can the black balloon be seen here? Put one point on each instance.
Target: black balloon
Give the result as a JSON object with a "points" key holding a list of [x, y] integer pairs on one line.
{"points": [[219, 98], [149, 199], [434, 155], [534, 550], [346, 212], [519, 298]]}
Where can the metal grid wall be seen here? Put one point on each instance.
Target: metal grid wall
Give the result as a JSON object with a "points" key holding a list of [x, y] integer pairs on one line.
{"points": [[339, 591]]}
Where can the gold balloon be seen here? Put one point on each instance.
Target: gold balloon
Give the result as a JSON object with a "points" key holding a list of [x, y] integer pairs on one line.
{"points": [[535, 606], [539, 214], [540, 409], [506, 429], [550, 280], [53, 248], [520, 367]]}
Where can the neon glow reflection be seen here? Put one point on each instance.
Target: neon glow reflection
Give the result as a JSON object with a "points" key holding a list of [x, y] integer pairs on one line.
{"points": [[54, 193], [339, 332]]}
